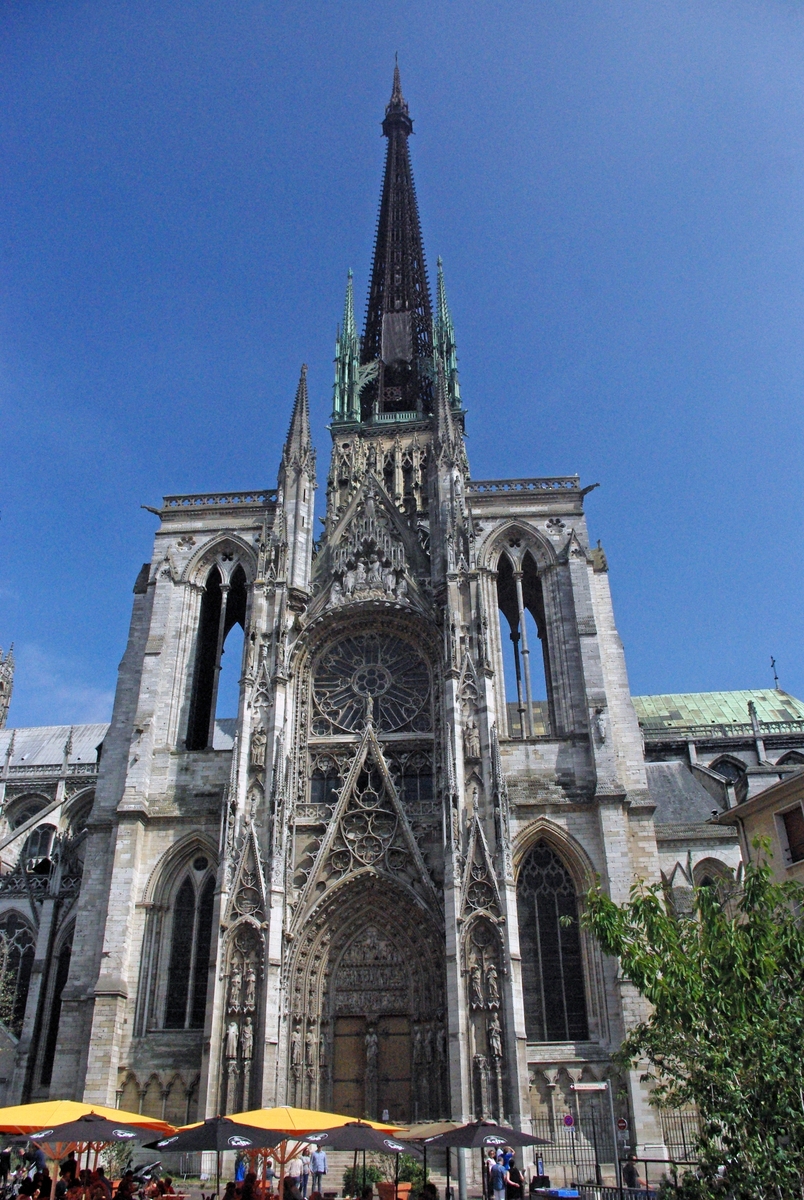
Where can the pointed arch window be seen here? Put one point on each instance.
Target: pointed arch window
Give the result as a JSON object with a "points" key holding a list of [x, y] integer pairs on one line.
{"points": [[549, 935], [191, 940], [223, 606], [16, 960], [59, 984], [526, 669]]}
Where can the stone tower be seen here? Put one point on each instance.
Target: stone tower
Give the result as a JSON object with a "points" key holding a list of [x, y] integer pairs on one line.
{"points": [[6, 683], [362, 893]]}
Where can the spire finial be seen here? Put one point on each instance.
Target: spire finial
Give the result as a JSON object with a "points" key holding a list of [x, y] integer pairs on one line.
{"points": [[298, 439], [397, 103]]}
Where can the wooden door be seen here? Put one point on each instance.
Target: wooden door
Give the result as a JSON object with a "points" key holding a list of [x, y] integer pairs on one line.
{"points": [[393, 1068], [349, 1066]]}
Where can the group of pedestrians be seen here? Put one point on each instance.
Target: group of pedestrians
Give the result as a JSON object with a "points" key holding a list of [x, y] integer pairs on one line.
{"points": [[505, 1180], [306, 1182]]}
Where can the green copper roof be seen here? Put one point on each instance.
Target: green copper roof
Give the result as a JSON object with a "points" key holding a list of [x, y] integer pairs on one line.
{"points": [[715, 708]]}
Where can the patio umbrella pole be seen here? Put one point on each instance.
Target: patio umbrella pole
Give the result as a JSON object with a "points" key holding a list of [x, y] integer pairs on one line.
{"points": [[448, 1195], [354, 1170], [364, 1168]]}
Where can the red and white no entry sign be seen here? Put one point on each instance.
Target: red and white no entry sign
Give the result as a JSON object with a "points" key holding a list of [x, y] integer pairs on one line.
{"points": [[622, 1124]]}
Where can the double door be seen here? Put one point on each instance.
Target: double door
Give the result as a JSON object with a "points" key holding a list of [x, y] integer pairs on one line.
{"points": [[371, 1067]]}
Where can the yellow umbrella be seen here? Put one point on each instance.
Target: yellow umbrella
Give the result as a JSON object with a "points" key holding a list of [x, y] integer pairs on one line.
{"points": [[300, 1120], [30, 1118], [295, 1122]]}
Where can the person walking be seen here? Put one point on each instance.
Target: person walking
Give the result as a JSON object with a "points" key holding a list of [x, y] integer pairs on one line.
{"points": [[498, 1180], [630, 1173], [318, 1167], [304, 1172]]}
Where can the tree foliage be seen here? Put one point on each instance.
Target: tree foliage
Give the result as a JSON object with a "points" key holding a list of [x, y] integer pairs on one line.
{"points": [[726, 1031]]}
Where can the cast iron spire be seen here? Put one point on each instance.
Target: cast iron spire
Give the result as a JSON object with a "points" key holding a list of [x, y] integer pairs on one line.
{"points": [[398, 333]]}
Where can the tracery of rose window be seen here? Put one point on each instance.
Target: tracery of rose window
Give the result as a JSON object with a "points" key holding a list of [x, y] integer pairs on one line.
{"points": [[369, 674]]}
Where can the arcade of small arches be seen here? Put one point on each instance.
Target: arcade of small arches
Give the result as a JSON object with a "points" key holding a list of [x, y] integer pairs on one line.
{"points": [[168, 1096]]}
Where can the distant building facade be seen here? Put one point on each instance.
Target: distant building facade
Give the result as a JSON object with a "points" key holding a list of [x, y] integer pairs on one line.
{"points": [[351, 895]]}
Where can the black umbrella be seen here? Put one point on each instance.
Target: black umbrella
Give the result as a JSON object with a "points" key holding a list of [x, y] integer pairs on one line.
{"points": [[357, 1136], [219, 1134], [484, 1135], [91, 1128]]}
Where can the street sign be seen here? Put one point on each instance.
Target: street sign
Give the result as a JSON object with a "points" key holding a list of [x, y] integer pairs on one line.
{"points": [[569, 1120], [622, 1124]]}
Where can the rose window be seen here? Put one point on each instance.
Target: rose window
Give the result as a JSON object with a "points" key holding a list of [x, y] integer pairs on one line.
{"points": [[367, 675]]}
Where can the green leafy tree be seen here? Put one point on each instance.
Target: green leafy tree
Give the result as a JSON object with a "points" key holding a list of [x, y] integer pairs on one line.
{"points": [[726, 1030]]}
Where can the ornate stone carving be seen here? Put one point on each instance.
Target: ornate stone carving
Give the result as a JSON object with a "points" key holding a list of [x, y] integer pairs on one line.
{"points": [[371, 675]]}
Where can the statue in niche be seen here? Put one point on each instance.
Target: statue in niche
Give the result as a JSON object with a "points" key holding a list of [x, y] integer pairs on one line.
{"points": [[309, 1047], [476, 998], [375, 572], [471, 740], [492, 987], [494, 1035], [389, 580], [350, 580], [259, 740], [335, 595], [247, 1040], [360, 576], [295, 1046], [417, 1044], [232, 1036], [251, 985], [402, 589], [428, 1045], [372, 1049], [235, 985]]}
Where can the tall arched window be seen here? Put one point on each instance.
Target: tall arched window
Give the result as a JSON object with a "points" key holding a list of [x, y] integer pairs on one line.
{"points": [[62, 971], [552, 967], [223, 605], [16, 960], [191, 939], [526, 666]]}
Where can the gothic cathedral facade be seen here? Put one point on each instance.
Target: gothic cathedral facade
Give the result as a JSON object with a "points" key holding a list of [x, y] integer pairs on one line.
{"points": [[363, 894]]}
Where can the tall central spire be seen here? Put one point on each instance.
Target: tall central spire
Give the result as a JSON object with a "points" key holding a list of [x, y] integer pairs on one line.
{"points": [[398, 333]]}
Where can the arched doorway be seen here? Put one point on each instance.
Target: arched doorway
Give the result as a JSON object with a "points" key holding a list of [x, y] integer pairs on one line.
{"points": [[372, 1037]]}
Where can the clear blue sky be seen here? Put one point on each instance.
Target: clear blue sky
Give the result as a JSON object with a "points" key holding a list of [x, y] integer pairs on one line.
{"points": [[616, 190]]}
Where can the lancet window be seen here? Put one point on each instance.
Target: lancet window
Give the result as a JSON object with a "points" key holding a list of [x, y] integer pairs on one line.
{"points": [[523, 625], [191, 938], [16, 960], [59, 983], [552, 963], [223, 606]]}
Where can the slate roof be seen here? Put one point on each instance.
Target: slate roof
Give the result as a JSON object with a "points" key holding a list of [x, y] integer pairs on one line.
{"points": [[43, 745], [715, 708], [679, 798]]}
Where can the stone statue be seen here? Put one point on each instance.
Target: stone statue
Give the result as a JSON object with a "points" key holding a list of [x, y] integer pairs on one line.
{"points": [[295, 1046], [309, 1047], [471, 740], [251, 986], [476, 999], [349, 582], [335, 595], [494, 1034], [402, 588], [232, 1032], [492, 987], [389, 580], [360, 576], [235, 984], [375, 572], [247, 1040], [258, 743], [372, 1049]]}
